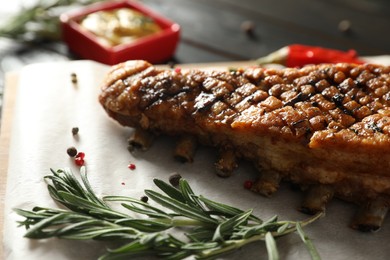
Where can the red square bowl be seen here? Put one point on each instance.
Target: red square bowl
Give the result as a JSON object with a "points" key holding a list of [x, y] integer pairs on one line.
{"points": [[155, 48]]}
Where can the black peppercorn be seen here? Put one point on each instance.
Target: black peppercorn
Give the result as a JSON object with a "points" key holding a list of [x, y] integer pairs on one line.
{"points": [[71, 151], [75, 130], [73, 77], [174, 179], [345, 26], [248, 27], [144, 199]]}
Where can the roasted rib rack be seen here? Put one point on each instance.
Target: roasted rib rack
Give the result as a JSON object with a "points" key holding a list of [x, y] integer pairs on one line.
{"points": [[325, 128]]}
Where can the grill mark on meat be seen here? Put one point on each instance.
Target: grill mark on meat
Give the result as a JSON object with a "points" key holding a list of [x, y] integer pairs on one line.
{"points": [[318, 125]]}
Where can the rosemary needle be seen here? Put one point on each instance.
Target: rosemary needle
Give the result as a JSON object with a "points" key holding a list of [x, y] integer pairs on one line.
{"points": [[212, 228], [271, 247]]}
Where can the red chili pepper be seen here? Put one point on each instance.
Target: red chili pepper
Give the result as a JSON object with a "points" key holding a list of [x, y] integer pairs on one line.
{"points": [[300, 55]]}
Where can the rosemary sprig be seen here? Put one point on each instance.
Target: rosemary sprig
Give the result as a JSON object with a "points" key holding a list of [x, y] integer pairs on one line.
{"points": [[39, 22], [211, 228]]}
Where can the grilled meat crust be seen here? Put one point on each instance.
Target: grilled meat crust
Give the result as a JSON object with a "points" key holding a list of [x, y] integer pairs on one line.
{"points": [[323, 125]]}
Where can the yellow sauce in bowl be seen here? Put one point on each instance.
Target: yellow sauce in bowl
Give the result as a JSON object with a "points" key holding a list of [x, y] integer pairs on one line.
{"points": [[118, 26]]}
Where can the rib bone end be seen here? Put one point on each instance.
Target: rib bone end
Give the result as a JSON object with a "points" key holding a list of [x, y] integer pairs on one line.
{"points": [[185, 149], [316, 199], [370, 216], [227, 162], [140, 140]]}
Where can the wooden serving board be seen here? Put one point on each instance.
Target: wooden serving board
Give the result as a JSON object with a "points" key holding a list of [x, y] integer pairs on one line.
{"points": [[11, 83]]}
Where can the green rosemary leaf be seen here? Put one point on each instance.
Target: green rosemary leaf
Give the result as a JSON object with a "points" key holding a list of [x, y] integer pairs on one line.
{"points": [[271, 247], [169, 190], [64, 181], [178, 256], [134, 247], [36, 231], [87, 206], [292, 225], [60, 184], [175, 241], [201, 234], [46, 212], [180, 207], [70, 180], [309, 244], [53, 191], [28, 214], [283, 228], [78, 226], [225, 210], [144, 225], [81, 202], [152, 212], [91, 195], [100, 233], [149, 213], [189, 195], [227, 227], [200, 245], [269, 225], [150, 239]]}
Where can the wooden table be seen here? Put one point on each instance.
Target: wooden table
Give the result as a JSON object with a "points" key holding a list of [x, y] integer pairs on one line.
{"points": [[226, 30], [212, 30]]}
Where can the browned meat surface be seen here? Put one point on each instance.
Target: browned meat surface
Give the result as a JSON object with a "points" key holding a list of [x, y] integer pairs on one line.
{"points": [[324, 127]]}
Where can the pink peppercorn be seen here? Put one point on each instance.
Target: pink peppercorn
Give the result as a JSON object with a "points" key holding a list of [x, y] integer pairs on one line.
{"points": [[81, 155], [248, 185], [79, 159]]}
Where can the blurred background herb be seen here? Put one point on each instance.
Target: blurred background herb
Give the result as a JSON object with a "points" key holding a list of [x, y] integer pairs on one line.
{"points": [[39, 21]]}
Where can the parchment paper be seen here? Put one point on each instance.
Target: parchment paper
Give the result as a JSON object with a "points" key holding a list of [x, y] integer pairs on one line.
{"points": [[49, 105]]}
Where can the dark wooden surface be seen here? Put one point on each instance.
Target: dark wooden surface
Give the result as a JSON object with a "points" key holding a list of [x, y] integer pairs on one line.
{"points": [[212, 30]]}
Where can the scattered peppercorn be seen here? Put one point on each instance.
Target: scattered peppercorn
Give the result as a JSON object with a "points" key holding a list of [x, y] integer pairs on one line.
{"points": [[144, 199], [123, 183], [79, 159], [75, 130], [248, 185], [174, 179], [345, 26], [80, 155], [131, 166], [71, 151], [248, 27], [73, 77], [171, 64]]}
